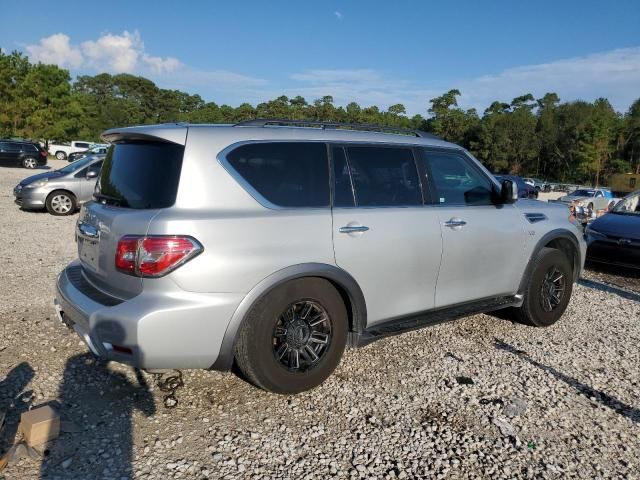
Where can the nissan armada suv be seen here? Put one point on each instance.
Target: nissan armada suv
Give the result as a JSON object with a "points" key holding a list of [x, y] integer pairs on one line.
{"points": [[276, 244]]}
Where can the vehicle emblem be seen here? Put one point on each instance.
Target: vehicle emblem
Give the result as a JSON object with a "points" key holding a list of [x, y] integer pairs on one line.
{"points": [[624, 241]]}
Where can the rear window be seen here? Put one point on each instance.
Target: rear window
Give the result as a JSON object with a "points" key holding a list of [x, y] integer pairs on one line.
{"points": [[140, 175], [287, 174]]}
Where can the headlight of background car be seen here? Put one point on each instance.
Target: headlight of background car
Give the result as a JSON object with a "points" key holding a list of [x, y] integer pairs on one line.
{"points": [[38, 183]]}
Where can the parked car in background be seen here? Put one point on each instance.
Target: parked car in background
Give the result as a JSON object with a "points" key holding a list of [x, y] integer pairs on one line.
{"points": [[60, 191], [614, 238], [539, 185], [62, 150], [93, 150], [16, 153], [525, 190], [593, 199], [276, 247]]}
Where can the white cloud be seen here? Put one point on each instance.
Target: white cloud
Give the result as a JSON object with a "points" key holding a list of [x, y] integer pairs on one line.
{"points": [[161, 65], [115, 53], [614, 74], [338, 15], [126, 53], [56, 49]]}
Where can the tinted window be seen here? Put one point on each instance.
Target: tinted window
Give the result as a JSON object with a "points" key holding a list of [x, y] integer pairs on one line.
{"points": [[140, 175], [12, 147], [456, 180], [384, 177], [93, 168], [75, 166], [82, 145], [96, 167], [286, 174], [343, 192]]}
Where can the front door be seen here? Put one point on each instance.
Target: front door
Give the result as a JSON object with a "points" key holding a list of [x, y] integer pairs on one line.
{"points": [[483, 243], [88, 184], [383, 235]]}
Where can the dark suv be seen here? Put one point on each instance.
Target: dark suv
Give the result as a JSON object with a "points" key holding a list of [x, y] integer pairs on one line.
{"points": [[16, 153]]}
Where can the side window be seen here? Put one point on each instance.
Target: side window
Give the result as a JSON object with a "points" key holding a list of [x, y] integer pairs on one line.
{"points": [[287, 174], [598, 194], [384, 176], [82, 145], [456, 180], [12, 147], [342, 191], [96, 167]]}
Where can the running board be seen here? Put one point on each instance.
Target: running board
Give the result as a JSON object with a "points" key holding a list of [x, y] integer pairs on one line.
{"points": [[431, 317]]}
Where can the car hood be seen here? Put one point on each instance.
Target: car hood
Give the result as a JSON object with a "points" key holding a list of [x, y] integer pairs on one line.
{"points": [[569, 199], [614, 224], [39, 176]]}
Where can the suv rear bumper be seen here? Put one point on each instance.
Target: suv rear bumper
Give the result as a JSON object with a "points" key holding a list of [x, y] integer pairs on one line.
{"points": [[152, 330]]}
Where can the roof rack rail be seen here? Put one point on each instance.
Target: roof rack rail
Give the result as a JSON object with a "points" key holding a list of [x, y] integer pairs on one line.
{"points": [[264, 122]]}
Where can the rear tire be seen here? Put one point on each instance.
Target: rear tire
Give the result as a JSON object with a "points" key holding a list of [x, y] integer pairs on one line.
{"points": [[306, 316], [61, 155], [549, 289], [29, 162], [60, 203]]}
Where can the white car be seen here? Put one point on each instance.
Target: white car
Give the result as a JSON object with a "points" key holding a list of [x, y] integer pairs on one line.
{"points": [[62, 150]]}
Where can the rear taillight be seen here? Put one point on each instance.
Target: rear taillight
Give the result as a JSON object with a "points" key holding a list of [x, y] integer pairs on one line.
{"points": [[154, 256], [43, 153]]}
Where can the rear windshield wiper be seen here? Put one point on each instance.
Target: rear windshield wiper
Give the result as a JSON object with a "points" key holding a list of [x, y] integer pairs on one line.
{"points": [[107, 199]]}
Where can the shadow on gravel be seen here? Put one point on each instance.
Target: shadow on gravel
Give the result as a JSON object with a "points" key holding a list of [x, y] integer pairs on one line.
{"points": [[96, 407], [605, 399], [12, 402], [603, 287]]}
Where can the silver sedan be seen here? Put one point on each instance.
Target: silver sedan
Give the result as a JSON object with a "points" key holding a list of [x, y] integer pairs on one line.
{"points": [[61, 191]]}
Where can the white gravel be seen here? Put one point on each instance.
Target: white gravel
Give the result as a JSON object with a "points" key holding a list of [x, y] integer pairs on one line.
{"points": [[476, 398]]}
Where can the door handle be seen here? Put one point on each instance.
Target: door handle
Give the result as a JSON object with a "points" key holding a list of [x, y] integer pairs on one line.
{"points": [[455, 222], [353, 229]]}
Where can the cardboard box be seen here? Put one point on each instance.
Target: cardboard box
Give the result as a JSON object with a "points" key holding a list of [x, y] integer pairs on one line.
{"points": [[40, 425]]}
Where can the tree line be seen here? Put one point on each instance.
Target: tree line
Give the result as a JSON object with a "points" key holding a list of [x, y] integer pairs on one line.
{"points": [[576, 141]]}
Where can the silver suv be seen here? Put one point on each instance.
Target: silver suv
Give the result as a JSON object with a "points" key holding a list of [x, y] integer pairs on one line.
{"points": [[275, 245]]}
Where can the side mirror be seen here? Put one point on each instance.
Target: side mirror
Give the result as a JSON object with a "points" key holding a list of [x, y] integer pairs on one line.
{"points": [[91, 174], [508, 192]]}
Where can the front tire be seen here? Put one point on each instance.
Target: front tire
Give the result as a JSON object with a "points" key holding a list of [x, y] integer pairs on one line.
{"points": [[549, 289], [294, 337], [60, 203]]}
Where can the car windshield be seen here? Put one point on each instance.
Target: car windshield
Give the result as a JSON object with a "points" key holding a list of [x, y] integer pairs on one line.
{"points": [[583, 193], [77, 165], [629, 205]]}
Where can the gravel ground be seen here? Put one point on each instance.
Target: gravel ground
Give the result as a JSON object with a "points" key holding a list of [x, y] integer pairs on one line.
{"points": [[476, 398]]}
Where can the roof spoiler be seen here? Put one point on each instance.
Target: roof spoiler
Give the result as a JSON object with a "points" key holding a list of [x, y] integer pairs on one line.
{"points": [[168, 132]]}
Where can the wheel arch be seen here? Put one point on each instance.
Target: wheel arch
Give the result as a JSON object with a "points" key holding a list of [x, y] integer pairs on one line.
{"points": [[344, 283], [562, 240], [65, 190]]}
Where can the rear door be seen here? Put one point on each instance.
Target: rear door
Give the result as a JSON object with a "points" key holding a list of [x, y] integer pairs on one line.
{"points": [[483, 243], [383, 234], [139, 178]]}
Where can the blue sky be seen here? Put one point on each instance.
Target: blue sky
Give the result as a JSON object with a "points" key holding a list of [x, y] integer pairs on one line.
{"points": [[370, 52]]}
